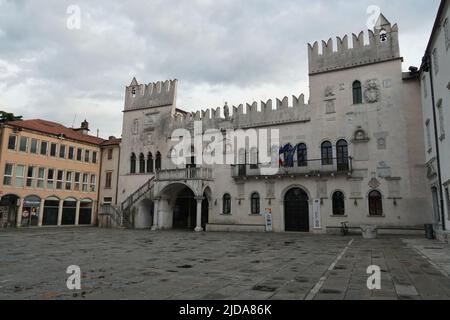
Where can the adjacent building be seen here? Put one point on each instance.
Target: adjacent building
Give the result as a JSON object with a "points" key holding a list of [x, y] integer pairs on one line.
{"points": [[435, 80], [49, 174]]}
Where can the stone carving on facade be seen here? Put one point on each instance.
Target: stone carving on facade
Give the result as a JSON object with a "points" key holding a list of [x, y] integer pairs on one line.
{"points": [[372, 92], [381, 144], [360, 135], [383, 170], [330, 98], [374, 183], [226, 111], [270, 190], [135, 127], [330, 107], [322, 189], [381, 138], [329, 92], [431, 168], [355, 187]]}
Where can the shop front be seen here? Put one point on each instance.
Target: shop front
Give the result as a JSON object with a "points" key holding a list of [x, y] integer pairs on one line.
{"points": [[30, 211], [9, 204]]}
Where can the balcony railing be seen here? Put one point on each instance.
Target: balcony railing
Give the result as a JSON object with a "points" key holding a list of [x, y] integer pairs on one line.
{"points": [[303, 168], [185, 174]]}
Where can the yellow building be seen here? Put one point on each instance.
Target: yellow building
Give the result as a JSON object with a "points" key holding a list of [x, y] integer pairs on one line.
{"points": [[49, 174]]}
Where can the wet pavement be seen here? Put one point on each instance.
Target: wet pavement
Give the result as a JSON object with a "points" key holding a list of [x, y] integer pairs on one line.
{"points": [[126, 264]]}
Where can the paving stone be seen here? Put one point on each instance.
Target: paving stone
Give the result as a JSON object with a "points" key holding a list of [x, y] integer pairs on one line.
{"points": [[126, 264], [405, 290]]}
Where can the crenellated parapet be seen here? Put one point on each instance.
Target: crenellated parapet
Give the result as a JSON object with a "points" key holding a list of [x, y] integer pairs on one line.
{"points": [[382, 46], [152, 95], [248, 115]]}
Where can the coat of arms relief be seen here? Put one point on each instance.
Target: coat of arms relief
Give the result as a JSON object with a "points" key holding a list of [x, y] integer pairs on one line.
{"points": [[372, 92]]}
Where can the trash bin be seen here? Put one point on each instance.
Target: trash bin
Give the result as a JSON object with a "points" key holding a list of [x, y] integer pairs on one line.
{"points": [[429, 231], [369, 231]]}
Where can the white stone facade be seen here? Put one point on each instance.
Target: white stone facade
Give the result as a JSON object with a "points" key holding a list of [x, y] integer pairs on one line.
{"points": [[435, 84], [375, 133]]}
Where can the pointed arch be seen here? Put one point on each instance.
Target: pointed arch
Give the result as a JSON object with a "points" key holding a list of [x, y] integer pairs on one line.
{"points": [[141, 163], [150, 163], [357, 92], [158, 162], [133, 163]]}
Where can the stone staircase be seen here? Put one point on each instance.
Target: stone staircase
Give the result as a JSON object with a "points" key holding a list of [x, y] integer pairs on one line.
{"points": [[127, 205], [120, 217]]}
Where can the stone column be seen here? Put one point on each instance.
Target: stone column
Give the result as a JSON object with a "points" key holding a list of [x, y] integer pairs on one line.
{"points": [[161, 214], [94, 213], [60, 211], [19, 214], [155, 214], [199, 214], [41, 212], [77, 213]]}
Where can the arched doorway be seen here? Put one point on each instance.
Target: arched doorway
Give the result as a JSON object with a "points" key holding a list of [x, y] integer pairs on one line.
{"points": [[296, 211], [30, 211], [8, 211], [185, 210]]}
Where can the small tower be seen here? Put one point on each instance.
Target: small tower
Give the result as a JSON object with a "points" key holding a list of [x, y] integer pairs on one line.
{"points": [[383, 46], [154, 95], [84, 128]]}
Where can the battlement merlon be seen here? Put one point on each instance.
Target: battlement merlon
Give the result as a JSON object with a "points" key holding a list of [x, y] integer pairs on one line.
{"points": [[152, 95], [383, 45], [250, 111]]}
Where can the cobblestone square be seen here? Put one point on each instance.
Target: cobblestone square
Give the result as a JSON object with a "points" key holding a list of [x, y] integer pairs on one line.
{"points": [[119, 264]]}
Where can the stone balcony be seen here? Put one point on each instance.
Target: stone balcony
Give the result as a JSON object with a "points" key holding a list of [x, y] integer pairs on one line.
{"points": [[310, 168], [187, 174]]}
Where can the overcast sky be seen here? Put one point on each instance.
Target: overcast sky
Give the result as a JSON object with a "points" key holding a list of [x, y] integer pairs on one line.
{"points": [[220, 50]]}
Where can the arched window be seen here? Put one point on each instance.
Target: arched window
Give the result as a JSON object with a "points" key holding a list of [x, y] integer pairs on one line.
{"points": [[357, 92], [288, 156], [342, 155], [254, 158], [191, 161], [327, 153], [302, 155], [133, 163], [150, 164], [242, 163], [141, 163], [255, 203], [338, 204], [158, 161], [375, 203], [226, 204]]}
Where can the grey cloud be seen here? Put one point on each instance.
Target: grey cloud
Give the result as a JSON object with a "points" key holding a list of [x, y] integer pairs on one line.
{"points": [[217, 44]]}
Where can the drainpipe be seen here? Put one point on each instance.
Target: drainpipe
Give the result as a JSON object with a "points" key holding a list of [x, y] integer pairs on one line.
{"points": [[99, 183], [428, 67]]}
